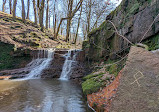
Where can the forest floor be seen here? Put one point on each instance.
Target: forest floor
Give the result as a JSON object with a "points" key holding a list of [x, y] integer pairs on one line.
{"points": [[28, 35]]}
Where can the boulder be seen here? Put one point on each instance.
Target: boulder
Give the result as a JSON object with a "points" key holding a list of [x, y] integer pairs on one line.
{"points": [[139, 85]]}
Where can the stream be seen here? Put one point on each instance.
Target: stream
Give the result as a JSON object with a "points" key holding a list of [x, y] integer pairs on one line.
{"points": [[40, 95], [33, 94]]}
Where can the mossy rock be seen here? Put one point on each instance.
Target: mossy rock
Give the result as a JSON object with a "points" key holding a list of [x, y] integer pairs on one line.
{"points": [[92, 83], [91, 86]]}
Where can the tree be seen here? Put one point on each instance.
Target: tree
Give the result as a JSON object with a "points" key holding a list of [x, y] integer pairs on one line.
{"points": [[23, 11], [47, 14], [69, 17], [27, 17], [10, 6], [14, 8], [40, 6], [89, 15], [35, 13], [3, 6], [54, 19], [70, 6], [78, 26]]}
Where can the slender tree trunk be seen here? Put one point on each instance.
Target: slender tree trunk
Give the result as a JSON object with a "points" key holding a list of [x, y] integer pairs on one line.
{"points": [[10, 6], [3, 6], [41, 14], [78, 26], [61, 31], [23, 11], [14, 9], [70, 5], [89, 15], [55, 21], [28, 9], [70, 17], [47, 14], [35, 13], [49, 19]]}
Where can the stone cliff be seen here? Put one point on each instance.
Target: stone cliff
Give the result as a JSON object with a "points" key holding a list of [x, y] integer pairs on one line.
{"points": [[132, 19]]}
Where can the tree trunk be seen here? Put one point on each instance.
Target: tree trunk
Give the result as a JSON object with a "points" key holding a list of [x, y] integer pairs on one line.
{"points": [[49, 19], [89, 16], [3, 6], [28, 9], [35, 13], [47, 14], [78, 26], [72, 15], [23, 11], [10, 6], [70, 5], [41, 15], [55, 21], [14, 9]]}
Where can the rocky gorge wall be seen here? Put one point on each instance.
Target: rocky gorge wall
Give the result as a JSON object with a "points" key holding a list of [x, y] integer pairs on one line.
{"points": [[132, 19], [20, 69]]}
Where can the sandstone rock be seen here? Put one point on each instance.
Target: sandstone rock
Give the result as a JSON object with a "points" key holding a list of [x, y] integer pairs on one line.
{"points": [[138, 89], [132, 19]]}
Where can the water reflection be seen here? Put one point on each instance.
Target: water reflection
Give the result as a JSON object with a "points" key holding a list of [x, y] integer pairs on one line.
{"points": [[42, 96]]}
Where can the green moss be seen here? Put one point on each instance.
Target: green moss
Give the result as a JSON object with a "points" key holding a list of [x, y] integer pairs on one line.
{"points": [[85, 44], [91, 86], [92, 75], [115, 68], [7, 61], [34, 34], [92, 83], [134, 8], [152, 42], [103, 25]]}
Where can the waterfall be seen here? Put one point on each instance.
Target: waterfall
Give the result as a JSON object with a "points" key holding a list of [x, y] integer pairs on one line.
{"points": [[67, 67], [40, 63]]}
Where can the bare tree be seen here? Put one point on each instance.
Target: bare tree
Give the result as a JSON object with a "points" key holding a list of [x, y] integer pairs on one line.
{"points": [[78, 26], [40, 5], [69, 17], [10, 6], [3, 6], [14, 8], [35, 12], [23, 11], [54, 19], [70, 6], [89, 15], [28, 4], [47, 14]]}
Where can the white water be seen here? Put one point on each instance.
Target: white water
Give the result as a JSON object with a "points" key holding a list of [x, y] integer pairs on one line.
{"points": [[39, 64], [67, 67]]}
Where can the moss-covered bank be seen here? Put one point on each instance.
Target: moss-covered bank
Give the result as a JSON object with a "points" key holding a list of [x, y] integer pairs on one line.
{"points": [[8, 59]]}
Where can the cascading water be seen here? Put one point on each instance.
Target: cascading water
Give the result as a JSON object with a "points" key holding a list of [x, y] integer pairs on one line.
{"points": [[39, 64], [67, 67]]}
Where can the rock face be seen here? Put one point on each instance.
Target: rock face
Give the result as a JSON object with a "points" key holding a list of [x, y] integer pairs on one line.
{"points": [[139, 85], [132, 19], [55, 69]]}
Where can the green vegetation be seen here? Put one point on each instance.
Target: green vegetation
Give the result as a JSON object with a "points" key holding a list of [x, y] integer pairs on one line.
{"points": [[85, 44], [115, 68], [133, 9], [152, 42], [7, 61], [103, 25], [92, 83]]}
